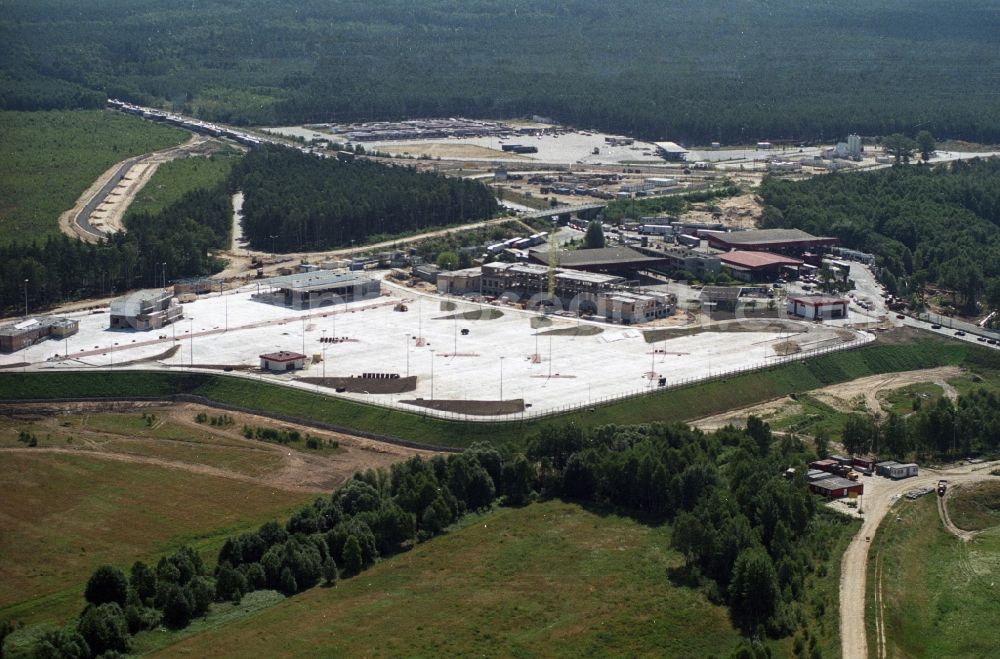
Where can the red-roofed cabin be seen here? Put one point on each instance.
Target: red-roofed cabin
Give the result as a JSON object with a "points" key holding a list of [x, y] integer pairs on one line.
{"points": [[817, 307], [282, 361]]}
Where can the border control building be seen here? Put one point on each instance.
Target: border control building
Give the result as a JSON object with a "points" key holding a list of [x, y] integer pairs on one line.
{"points": [[22, 334], [145, 310], [308, 290]]}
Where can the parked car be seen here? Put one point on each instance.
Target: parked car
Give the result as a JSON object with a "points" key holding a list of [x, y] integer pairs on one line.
{"points": [[900, 316], [959, 333], [935, 327]]}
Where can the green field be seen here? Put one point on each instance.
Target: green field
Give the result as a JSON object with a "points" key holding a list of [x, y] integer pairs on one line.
{"points": [[940, 594], [47, 160], [174, 179], [550, 579], [975, 507], [64, 514], [682, 404]]}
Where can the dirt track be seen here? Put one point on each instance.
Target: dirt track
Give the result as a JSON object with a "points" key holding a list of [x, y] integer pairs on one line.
{"points": [[880, 494], [839, 396], [299, 470], [109, 213]]}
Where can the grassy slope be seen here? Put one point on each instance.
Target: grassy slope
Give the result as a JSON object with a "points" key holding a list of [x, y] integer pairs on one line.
{"points": [[65, 514], [174, 179], [940, 593], [675, 405], [47, 159], [551, 579], [975, 507]]}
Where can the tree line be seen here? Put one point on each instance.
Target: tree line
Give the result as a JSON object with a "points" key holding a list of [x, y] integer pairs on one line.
{"points": [[751, 538], [944, 430], [686, 71], [926, 224], [182, 236], [294, 201]]}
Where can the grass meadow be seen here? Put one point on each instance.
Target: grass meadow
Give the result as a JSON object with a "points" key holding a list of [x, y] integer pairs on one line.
{"points": [[940, 594], [47, 160]]}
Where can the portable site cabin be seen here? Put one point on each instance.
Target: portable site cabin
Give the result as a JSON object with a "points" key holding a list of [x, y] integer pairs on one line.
{"points": [[902, 471], [882, 468]]}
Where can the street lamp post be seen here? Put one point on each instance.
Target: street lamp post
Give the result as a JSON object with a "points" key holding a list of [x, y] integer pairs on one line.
{"points": [[432, 373], [407, 355], [191, 342], [501, 380], [324, 366], [25, 298]]}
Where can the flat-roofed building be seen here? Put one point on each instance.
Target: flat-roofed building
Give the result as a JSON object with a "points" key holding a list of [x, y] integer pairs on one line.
{"points": [[29, 331], [671, 151], [629, 308], [460, 282], [749, 265], [787, 241], [621, 261], [817, 307], [145, 310], [836, 487], [308, 290]]}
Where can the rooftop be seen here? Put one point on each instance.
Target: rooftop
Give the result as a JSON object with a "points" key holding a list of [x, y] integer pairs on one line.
{"points": [[835, 483], [816, 300], [670, 147], [282, 356], [752, 260], [318, 279], [33, 323], [719, 293], [579, 258], [769, 236], [131, 304]]}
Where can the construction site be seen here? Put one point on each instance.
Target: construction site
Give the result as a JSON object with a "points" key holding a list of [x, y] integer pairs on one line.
{"points": [[414, 349]]}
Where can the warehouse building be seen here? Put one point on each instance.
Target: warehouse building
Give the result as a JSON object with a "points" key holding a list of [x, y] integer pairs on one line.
{"points": [[752, 266], [309, 290], [817, 307], [282, 360], [629, 308], [784, 241], [621, 261], [145, 310], [836, 487], [29, 331]]}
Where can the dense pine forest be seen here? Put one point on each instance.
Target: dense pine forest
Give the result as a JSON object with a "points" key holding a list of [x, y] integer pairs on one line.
{"points": [[751, 538], [928, 225], [62, 268], [687, 70], [295, 201]]}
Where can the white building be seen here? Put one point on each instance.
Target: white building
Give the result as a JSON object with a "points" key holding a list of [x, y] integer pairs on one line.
{"points": [[145, 310], [817, 307], [282, 361]]}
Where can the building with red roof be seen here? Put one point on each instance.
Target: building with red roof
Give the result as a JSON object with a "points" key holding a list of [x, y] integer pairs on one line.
{"points": [[757, 266], [817, 307]]}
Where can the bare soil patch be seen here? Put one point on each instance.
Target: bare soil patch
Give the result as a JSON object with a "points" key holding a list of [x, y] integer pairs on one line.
{"points": [[367, 385]]}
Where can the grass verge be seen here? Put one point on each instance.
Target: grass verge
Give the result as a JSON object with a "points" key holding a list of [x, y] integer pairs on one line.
{"points": [[939, 594], [176, 178]]}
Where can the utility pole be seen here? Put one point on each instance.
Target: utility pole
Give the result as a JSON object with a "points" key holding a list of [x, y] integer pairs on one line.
{"points": [[501, 380]]}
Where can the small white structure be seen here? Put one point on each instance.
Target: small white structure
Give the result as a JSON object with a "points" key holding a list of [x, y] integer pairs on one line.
{"points": [[902, 471], [282, 361], [817, 307]]}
